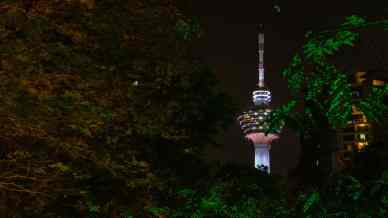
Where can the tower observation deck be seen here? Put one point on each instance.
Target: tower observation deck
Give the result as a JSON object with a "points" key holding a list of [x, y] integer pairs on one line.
{"points": [[254, 122]]}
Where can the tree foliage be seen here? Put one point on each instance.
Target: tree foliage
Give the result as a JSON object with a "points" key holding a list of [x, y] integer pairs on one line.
{"points": [[323, 91], [323, 85], [100, 99]]}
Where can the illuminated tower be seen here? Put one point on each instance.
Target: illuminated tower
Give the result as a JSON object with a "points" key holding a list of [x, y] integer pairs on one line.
{"points": [[254, 122]]}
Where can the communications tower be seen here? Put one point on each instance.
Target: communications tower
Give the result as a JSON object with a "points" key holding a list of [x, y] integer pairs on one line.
{"points": [[255, 121]]}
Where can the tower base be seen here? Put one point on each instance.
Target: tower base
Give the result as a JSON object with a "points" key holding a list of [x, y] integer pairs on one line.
{"points": [[262, 160]]}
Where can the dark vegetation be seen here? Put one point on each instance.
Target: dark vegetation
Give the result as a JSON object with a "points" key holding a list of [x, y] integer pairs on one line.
{"points": [[105, 113]]}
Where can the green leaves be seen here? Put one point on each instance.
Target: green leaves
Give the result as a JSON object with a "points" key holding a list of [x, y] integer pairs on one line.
{"points": [[157, 211], [327, 43], [61, 167], [373, 105], [213, 203], [328, 88], [126, 215], [354, 21], [316, 50], [93, 208], [186, 193], [344, 38], [188, 29], [295, 74], [325, 93], [311, 200], [340, 101], [279, 116]]}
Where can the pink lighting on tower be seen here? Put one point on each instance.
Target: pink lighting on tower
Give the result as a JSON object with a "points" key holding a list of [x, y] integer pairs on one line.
{"points": [[261, 138]]}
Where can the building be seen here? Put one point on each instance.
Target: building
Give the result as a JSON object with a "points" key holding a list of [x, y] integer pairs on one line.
{"points": [[254, 122], [359, 132]]}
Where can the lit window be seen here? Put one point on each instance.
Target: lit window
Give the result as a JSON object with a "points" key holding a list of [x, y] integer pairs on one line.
{"points": [[363, 138], [360, 77], [361, 145], [378, 83]]}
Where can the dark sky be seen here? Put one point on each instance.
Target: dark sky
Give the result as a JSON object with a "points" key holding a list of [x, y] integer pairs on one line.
{"points": [[229, 46]]}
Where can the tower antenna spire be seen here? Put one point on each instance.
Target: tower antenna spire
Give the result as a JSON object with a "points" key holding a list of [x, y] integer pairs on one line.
{"points": [[261, 56]]}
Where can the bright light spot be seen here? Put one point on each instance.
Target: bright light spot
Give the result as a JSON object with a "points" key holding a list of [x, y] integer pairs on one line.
{"points": [[362, 136], [277, 8], [361, 145]]}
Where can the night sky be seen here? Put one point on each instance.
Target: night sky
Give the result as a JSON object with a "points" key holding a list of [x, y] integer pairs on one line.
{"points": [[230, 45]]}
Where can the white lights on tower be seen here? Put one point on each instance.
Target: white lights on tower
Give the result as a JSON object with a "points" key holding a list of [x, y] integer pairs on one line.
{"points": [[260, 97]]}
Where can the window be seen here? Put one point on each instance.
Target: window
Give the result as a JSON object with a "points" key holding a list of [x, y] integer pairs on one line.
{"points": [[362, 128], [359, 118], [360, 77], [362, 137], [356, 93], [377, 82]]}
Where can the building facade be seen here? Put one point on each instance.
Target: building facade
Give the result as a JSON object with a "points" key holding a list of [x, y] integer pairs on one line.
{"points": [[359, 132]]}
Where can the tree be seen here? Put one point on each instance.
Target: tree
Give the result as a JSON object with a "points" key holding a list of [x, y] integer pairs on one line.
{"points": [[100, 100], [346, 196], [229, 191], [323, 91]]}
